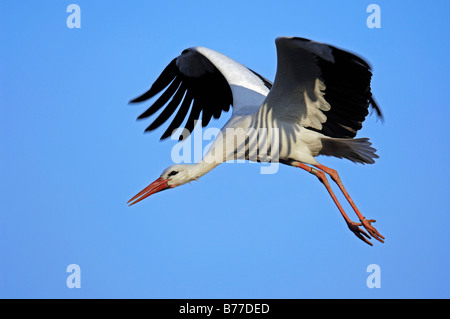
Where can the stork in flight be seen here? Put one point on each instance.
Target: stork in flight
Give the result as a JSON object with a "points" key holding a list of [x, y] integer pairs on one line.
{"points": [[316, 105]]}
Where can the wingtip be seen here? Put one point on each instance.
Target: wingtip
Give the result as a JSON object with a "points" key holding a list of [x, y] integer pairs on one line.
{"points": [[377, 109], [138, 99]]}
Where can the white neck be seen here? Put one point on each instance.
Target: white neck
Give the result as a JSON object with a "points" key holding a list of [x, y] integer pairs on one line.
{"points": [[191, 172], [201, 168]]}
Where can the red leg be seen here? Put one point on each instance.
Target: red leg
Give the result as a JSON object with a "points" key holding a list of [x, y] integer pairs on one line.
{"points": [[365, 222], [352, 225]]}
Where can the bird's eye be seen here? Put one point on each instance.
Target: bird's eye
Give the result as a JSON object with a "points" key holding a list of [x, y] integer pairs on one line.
{"points": [[172, 173]]}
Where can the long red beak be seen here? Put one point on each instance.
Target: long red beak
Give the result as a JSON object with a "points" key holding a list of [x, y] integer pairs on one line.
{"points": [[159, 185]]}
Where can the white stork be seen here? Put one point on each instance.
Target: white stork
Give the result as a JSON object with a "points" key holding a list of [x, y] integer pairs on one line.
{"points": [[316, 105]]}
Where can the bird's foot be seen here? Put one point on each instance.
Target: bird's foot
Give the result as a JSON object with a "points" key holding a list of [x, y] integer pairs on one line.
{"points": [[361, 234], [372, 231]]}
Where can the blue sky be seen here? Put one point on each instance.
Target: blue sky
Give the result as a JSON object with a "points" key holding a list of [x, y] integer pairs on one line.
{"points": [[73, 154]]}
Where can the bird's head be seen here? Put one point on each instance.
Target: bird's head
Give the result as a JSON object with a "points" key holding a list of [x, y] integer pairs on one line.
{"points": [[171, 177]]}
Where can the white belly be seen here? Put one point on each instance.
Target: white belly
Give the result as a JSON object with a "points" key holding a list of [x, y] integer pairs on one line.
{"points": [[243, 137]]}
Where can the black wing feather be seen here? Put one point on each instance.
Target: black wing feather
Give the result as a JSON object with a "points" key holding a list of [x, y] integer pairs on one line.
{"points": [[169, 109], [193, 117], [163, 99], [347, 82], [179, 117], [163, 80], [205, 93]]}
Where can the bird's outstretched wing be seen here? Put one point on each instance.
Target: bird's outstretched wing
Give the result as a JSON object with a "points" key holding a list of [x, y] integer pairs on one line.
{"points": [[321, 87], [201, 84]]}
